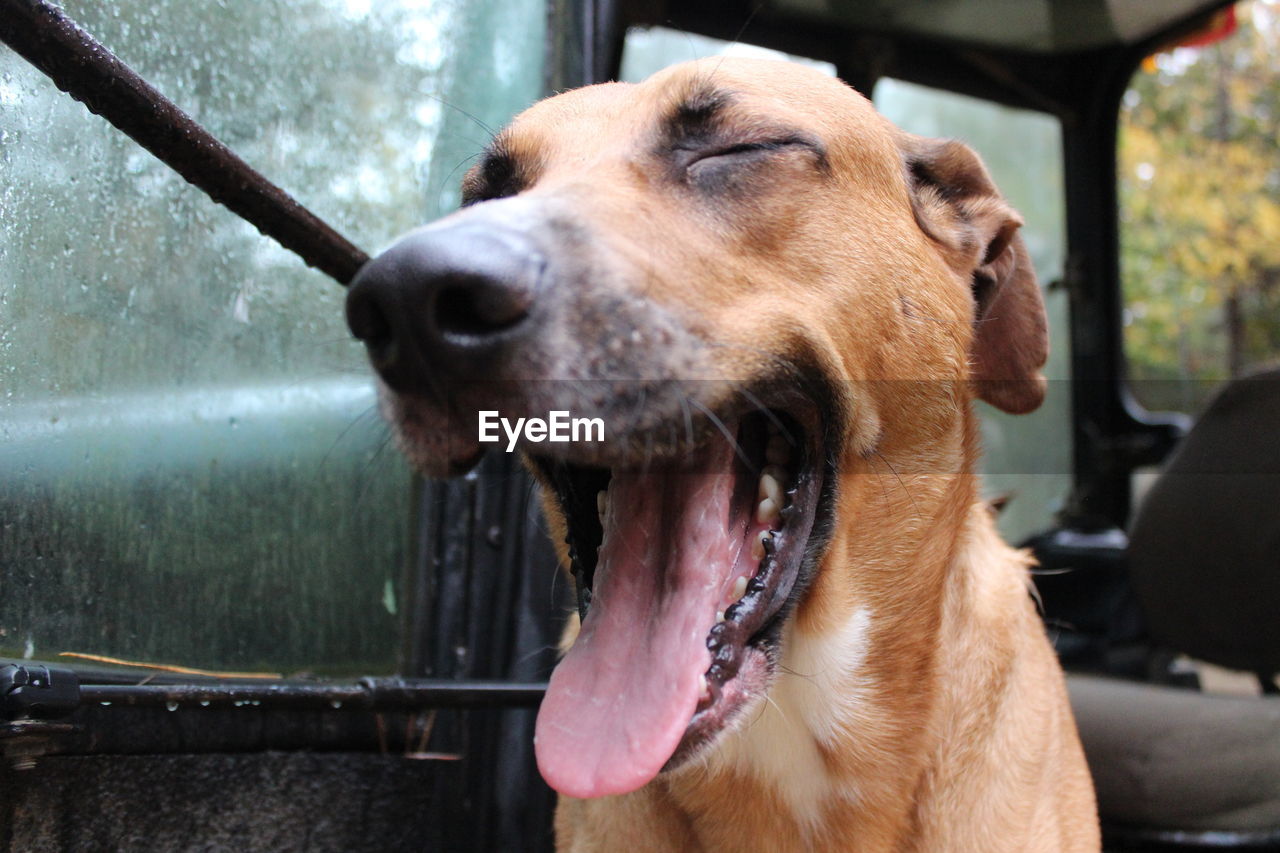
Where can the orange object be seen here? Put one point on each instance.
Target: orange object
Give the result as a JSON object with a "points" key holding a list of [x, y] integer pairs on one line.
{"points": [[1221, 25], [164, 667]]}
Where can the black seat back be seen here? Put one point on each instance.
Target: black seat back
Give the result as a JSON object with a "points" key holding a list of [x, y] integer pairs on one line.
{"points": [[1205, 546]]}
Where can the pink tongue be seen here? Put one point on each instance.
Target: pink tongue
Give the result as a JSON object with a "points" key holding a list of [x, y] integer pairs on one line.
{"points": [[620, 700]]}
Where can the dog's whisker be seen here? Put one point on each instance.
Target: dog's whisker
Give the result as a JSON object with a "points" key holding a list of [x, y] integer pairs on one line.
{"points": [[724, 430], [737, 39], [760, 710], [693, 48], [368, 469], [901, 482], [371, 411], [688, 418], [475, 119], [552, 600], [789, 671], [776, 706], [640, 404], [768, 413], [367, 472], [884, 489], [533, 653], [458, 166]]}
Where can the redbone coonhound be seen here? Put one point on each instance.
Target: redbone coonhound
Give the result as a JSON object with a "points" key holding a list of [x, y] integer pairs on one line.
{"points": [[800, 628]]}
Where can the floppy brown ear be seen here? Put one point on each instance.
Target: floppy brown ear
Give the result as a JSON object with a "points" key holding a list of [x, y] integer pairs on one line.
{"points": [[956, 203]]}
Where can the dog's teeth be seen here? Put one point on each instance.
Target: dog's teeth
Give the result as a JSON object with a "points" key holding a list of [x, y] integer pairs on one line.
{"points": [[767, 511], [739, 588], [704, 689], [602, 504], [719, 616], [757, 546], [770, 488], [777, 451]]}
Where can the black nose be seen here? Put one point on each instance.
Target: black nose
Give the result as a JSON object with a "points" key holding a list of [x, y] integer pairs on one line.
{"points": [[446, 303]]}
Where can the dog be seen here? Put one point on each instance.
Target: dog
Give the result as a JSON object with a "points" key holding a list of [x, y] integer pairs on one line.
{"points": [[801, 630]]}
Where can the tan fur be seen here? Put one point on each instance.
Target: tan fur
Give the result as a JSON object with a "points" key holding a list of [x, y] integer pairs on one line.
{"points": [[935, 716]]}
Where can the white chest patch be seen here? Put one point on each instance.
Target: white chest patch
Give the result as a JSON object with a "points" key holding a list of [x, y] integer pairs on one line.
{"points": [[816, 698]]}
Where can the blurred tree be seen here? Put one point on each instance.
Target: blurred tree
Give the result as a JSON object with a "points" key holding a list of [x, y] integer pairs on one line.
{"points": [[1199, 164]]}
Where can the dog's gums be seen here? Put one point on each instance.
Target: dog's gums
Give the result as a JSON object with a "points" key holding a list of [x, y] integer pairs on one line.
{"points": [[685, 569]]}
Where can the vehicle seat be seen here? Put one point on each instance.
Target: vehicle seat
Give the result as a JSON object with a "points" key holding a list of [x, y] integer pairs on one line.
{"points": [[1204, 559]]}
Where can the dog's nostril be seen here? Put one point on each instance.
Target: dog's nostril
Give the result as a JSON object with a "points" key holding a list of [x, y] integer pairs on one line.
{"points": [[368, 321], [478, 306]]}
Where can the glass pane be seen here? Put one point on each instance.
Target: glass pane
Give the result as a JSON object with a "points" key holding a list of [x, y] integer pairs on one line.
{"points": [[1027, 457], [192, 471], [1200, 214]]}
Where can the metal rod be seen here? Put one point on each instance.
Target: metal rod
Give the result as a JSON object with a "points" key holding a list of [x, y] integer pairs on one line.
{"points": [[86, 70], [370, 694]]}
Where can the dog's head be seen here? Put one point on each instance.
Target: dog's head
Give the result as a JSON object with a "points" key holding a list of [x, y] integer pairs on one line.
{"points": [[753, 281]]}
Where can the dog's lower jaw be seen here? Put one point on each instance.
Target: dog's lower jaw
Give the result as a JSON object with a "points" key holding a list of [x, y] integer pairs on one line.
{"points": [[878, 726]]}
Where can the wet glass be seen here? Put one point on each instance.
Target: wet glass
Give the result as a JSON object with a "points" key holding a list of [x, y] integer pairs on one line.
{"points": [[192, 469]]}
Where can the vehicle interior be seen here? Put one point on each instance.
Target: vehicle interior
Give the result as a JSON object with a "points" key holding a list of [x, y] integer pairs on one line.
{"points": [[231, 617]]}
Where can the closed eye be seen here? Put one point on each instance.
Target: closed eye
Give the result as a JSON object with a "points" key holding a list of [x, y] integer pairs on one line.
{"points": [[748, 149], [714, 168]]}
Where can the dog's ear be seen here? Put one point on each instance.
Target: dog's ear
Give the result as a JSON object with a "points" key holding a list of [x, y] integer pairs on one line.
{"points": [[958, 206]]}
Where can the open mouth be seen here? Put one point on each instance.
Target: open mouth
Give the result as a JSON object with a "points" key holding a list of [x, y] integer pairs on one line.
{"points": [[686, 569]]}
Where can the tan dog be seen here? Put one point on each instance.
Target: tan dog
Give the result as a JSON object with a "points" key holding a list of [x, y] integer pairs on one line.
{"points": [[802, 631]]}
